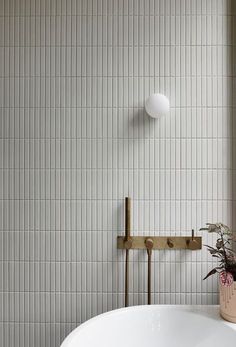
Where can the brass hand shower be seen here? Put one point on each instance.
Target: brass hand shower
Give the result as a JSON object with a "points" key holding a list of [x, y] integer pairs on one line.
{"points": [[128, 245]]}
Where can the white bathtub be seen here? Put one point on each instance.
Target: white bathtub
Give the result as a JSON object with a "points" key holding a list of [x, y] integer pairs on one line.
{"points": [[155, 325]]}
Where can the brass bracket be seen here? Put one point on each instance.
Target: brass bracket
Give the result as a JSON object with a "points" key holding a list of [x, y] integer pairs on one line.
{"points": [[161, 242]]}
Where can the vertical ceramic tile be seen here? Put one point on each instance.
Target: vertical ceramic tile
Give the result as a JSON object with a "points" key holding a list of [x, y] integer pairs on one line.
{"points": [[74, 76]]}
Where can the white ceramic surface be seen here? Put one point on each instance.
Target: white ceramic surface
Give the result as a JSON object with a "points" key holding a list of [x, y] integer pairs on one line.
{"points": [[155, 325], [157, 105]]}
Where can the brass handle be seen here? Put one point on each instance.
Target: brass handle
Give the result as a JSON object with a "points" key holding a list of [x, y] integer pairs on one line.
{"points": [[191, 242], [128, 243], [149, 243], [170, 243]]}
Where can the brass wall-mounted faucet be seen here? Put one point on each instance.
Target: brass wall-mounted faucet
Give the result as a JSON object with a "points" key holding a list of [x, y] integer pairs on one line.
{"points": [[150, 243]]}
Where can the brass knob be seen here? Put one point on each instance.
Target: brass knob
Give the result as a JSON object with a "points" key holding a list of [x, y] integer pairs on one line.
{"points": [[170, 243], [128, 243], [149, 243]]}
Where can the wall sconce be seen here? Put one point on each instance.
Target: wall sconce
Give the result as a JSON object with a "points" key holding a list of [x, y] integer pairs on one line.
{"points": [[157, 105]]}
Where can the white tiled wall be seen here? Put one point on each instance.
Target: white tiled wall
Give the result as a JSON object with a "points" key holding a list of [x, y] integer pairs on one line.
{"points": [[75, 140]]}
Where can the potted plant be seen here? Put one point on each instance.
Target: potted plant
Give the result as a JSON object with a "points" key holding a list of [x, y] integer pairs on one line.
{"points": [[226, 268]]}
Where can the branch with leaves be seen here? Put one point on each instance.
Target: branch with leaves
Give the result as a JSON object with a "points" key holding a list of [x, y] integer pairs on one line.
{"points": [[223, 252]]}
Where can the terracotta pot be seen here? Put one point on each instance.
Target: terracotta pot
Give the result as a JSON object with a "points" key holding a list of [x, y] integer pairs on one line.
{"points": [[228, 302]]}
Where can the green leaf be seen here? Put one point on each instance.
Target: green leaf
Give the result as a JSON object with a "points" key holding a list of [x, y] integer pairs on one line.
{"points": [[212, 272]]}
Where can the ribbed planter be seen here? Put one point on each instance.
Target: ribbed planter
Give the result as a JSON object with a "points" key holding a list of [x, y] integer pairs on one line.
{"points": [[228, 302]]}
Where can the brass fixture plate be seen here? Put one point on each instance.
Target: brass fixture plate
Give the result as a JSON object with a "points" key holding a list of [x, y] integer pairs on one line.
{"points": [[161, 242]]}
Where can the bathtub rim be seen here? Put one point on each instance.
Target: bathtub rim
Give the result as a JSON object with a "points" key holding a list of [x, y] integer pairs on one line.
{"points": [[208, 311]]}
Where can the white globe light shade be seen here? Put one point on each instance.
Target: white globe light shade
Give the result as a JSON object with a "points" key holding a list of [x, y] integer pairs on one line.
{"points": [[157, 105]]}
